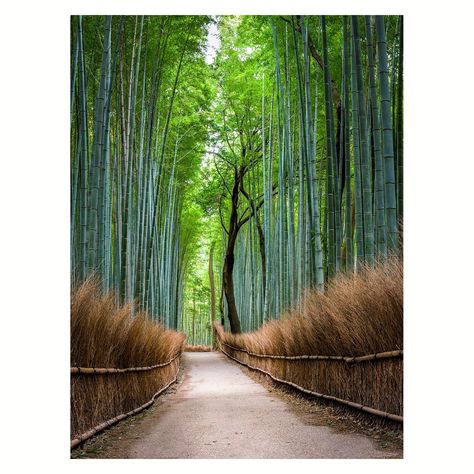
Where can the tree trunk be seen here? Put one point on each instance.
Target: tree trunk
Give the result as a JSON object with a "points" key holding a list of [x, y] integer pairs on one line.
{"points": [[228, 282], [227, 277], [194, 319], [261, 243], [213, 297]]}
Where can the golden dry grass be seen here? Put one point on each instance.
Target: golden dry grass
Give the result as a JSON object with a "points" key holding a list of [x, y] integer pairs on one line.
{"points": [[197, 348], [357, 315], [104, 335]]}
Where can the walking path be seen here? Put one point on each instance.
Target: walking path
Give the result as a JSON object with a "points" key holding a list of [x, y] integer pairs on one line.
{"points": [[219, 412]]}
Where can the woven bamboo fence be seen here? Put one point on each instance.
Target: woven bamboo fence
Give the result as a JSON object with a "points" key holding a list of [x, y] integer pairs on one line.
{"points": [[372, 383], [100, 397]]}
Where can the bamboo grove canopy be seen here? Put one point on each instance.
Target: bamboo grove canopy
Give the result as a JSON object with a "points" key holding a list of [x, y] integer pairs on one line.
{"points": [[225, 184]]}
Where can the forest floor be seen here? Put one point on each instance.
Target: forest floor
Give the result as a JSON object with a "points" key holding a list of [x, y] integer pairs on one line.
{"points": [[219, 410]]}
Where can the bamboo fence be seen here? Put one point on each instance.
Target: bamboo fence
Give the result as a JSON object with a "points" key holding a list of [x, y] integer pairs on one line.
{"points": [[348, 359], [113, 394], [372, 383], [101, 370]]}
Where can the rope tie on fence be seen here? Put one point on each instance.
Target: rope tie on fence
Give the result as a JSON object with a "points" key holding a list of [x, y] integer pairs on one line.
{"points": [[348, 359], [112, 370]]}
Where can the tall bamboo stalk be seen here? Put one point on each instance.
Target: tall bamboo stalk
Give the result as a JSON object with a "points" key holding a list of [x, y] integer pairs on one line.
{"points": [[364, 149], [359, 222], [379, 172], [387, 134], [349, 246]]}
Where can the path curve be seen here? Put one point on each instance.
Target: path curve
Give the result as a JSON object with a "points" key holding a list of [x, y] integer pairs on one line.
{"points": [[219, 412]]}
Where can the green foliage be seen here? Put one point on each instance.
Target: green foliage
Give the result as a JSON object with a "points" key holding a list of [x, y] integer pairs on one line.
{"points": [[158, 134], [139, 126]]}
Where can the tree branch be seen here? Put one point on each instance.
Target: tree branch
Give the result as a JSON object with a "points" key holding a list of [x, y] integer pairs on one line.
{"points": [[227, 136], [222, 157], [222, 178], [220, 215], [255, 208]]}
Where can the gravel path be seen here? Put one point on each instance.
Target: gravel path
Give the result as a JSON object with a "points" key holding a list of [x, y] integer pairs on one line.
{"points": [[219, 412]]}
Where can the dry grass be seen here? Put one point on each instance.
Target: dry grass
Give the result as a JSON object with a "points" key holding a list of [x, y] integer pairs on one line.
{"points": [[197, 348], [104, 335], [356, 316]]}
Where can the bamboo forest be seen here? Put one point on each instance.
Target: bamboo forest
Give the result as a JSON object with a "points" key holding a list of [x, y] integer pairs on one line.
{"points": [[237, 186]]}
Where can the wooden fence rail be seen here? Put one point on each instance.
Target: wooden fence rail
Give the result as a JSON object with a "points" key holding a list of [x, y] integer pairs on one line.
{"points": [[373, 411], [112, 370], [348, 359], [372, 383], [112, 394], [106, 424]]}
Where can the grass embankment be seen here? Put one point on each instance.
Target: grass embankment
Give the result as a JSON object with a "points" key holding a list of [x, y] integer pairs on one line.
{"points": [[104, 335], [356, 316]]}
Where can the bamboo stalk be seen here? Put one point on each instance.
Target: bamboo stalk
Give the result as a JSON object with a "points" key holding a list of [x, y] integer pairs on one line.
{"points": [[387, 139], [345, 143], [331, 169], [379, 197], [364, 148]]}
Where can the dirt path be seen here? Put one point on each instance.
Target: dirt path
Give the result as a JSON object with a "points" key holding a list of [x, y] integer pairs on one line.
{"points": [[219, 412]]}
